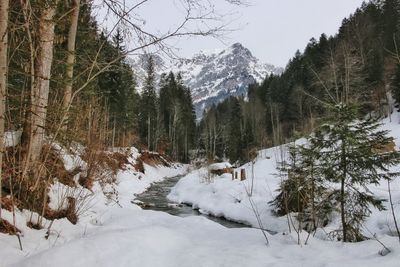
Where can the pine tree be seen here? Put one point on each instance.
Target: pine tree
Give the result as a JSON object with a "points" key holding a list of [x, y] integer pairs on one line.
{"points": [[148, 108], [396, 85], [390, 19], [351, 157], [303, 189], [235, 131], [349, 154], [117, 86]]}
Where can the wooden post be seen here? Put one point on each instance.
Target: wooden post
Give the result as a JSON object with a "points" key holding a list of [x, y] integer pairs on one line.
{"points": [[236, 175], [242, 174]]}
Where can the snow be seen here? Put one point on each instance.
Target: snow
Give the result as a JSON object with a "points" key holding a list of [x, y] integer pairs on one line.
{"points": [[229, 199], [12, 138], [235, 200], [71, 158], [212, 75], [94, 206], [148, 238], [219, 166], [113, 231]]}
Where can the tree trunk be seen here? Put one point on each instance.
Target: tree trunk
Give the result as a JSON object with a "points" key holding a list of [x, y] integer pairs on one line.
{"points": [[342, 190], [40, 89], [313, 197], [3, 79], [148, 131], [70, 59]]}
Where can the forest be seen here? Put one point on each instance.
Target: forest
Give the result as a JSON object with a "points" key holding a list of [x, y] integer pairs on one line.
{"points": [[306, 157], [358, 65]]}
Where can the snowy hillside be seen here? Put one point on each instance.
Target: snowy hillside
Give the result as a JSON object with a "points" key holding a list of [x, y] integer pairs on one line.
{"points": [[214, 76]]}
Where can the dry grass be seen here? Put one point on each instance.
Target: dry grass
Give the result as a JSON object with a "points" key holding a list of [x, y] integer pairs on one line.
{"points": [[8, 228], [139, 166], [9, 203], [31, 191], [69, 212], [154, 159]]}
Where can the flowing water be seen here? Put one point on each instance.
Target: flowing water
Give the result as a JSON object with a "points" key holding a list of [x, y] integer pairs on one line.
{"points": [[155, 198]]}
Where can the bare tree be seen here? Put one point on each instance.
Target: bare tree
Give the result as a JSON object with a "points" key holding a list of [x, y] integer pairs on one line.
{"points": [[40, 89], [200, 19], [3, 79], [192, 24], [75, 5]]}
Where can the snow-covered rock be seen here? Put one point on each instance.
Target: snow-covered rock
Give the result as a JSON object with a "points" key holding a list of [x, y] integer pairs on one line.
{"points": [[219, 166]]}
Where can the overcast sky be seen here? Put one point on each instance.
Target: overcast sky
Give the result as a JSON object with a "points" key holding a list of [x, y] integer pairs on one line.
{"points": [[272, 29]]}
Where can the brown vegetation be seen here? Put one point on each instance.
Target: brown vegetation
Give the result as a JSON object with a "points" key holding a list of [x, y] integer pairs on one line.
{"points": [[69, 212], [381, 149], [154, 159], [8, 228], [221, 171], [9, 203], [24, 192]]}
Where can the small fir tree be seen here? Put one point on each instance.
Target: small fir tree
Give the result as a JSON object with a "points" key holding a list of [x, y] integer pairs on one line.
{"points": [[353, 156], [348, 153]]}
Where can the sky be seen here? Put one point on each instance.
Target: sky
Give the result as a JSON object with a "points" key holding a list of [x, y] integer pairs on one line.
{"points": [[273, 30]]}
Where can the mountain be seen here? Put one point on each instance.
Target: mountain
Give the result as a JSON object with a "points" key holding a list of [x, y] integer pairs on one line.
{"points": [[212, 77]]}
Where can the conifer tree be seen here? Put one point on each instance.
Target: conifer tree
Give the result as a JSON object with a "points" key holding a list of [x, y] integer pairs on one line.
{"points": [[390, 18], [303, 189], [348, 153], [148, 107], [352, 156], [117, 85], [235, 131], [396, 84]]}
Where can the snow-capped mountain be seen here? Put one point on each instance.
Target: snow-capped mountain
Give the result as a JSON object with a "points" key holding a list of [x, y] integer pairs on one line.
{"points": [[212, 77]]}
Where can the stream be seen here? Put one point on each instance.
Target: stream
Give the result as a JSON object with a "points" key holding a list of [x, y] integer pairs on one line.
{"points": [[155, 198]]}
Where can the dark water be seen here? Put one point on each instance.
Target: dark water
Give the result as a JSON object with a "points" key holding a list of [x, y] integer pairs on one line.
{"points": [[155, 198]]}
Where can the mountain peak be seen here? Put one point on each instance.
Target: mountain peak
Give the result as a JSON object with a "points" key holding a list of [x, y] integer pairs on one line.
{"points": [[212, 77], [215, 75], [238, 47]]}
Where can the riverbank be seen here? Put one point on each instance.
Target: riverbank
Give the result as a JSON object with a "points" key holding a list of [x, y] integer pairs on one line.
{"points": [[248, 201], [93, 207], [155, 198], [122, 234]]}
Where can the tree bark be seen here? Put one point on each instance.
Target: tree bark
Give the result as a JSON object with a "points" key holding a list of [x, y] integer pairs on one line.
{"points": [[70, 59], [342, 189], [3, 79], [40, 90]]}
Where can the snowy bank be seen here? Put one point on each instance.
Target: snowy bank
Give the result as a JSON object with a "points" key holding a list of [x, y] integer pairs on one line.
{"points": [[241, 200], [101, 202]]}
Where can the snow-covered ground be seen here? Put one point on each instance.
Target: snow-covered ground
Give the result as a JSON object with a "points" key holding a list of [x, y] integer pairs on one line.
{"points": [[156, 239], [118, 233], [93, 208], [229, 198]]}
